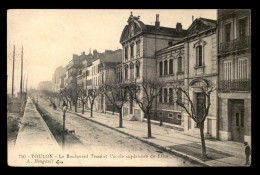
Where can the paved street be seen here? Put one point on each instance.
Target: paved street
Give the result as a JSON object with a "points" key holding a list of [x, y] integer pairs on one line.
{"points": [[91, 138]]}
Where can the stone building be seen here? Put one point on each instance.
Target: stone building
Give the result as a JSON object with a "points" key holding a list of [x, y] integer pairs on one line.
{"points": [[190, 63], [100, 69], [170, 69], [200, 71], [234, 60], [140, 42]]}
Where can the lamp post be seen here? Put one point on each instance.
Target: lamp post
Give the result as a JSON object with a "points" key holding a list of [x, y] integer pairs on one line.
{"points": [[64, 116]]}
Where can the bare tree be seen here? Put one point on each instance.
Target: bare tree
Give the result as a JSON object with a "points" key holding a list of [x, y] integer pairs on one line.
{"points": [[143, 94], [83, 97], [92, 94], [190, 107], [116, 93], [67, 94]]}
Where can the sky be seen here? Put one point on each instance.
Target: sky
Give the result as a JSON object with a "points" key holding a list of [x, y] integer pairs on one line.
{"points": [[50, 37]]}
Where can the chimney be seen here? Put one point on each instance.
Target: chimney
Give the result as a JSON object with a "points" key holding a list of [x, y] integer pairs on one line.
{"points": [[178, 27], [94, 52], [192, 18], [157, 23], [83, 53]]}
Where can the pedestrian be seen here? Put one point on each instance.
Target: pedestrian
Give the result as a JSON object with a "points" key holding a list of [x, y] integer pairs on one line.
{"points": [[247, 152], [64, 105]]}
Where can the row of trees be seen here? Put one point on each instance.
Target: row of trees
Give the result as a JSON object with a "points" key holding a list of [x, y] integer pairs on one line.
{"points": [[144, 94]]}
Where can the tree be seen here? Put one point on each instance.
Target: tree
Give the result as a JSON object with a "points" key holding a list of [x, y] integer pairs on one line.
{"points": [[67, 94], [92, 94], [75, 96], [190, 107], [83, 97], [116, 93], [143, 94]]}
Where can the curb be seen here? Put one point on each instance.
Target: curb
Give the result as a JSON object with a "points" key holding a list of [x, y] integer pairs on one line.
{"points": [[166, 149]]}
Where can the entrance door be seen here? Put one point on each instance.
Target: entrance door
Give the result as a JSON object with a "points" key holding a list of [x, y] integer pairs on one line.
{"points": [[237, 123]]}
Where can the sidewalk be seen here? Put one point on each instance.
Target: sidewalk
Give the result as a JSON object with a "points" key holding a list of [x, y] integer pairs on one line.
{"points": [[220, 153]]}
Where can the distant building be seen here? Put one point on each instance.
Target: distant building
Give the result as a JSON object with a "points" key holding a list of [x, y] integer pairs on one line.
{"points": [[234, 60]]}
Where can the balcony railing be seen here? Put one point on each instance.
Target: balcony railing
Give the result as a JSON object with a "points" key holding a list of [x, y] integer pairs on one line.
{"points": [[234, 85], [235, 45]]}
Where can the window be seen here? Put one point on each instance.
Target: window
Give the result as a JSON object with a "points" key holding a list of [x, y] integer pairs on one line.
{"points": [[227, 72], [160, 96], [180, 64], [126, 53], [170, 115], [179, 96], [170, 95], [131, 71], [132, 50], [161, 68], [179, 116], [165, 95], [165, 67], [137, 48], [171, 66], [242, 27], [228, 32], [169, 43], [242, 69], [137, 71], [126, 72], [199, 55], [102, 78]]}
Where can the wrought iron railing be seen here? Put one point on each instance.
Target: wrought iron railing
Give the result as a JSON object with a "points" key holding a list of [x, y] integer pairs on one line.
{"points": [[235, 45], [234, 85]]}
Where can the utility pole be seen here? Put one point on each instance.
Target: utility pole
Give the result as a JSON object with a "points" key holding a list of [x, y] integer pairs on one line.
{"points": [[13, 74], [26, 83], [21, 83]]}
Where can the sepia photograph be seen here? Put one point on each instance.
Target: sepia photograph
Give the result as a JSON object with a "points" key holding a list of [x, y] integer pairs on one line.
{"points": [[129, 87]]}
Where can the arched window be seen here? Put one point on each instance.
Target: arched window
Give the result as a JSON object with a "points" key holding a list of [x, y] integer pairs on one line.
{"points": [[199, 55], [179, 96], [165, 95], [137, 66], [165, 67], [171, 66], [161, 68], [171, 95], [180, 64], [126, 72]]}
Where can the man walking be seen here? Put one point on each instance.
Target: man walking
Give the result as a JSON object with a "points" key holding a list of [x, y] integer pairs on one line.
{"points": [[247, 152]]}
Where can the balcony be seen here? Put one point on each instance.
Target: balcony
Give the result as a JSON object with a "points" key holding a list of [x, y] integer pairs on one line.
{"points": [[234, 85], [235, 45]]}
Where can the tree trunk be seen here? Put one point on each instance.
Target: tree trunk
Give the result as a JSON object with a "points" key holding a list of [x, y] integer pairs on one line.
{"points": [[91, 110], [120, 119], [82, 107], [203, 144], [75, 107], [70, 106], [148, 126]]}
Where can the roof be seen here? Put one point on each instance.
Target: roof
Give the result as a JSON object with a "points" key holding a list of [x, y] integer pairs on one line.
{"points": [[201, 24], [170, 47], [140, 27]]}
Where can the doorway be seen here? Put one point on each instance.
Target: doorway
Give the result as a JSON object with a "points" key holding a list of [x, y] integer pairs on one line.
{"points": [[237, 120]]}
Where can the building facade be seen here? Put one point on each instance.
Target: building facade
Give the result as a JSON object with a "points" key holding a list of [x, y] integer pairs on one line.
{"points": [[234, 60], [139, 43], [200, 72]]}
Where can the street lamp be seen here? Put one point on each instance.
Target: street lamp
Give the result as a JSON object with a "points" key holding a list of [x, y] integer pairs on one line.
{"points": [[64, 109]]}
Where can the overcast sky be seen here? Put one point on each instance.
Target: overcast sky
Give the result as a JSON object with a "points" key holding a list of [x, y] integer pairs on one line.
{"points": [[50, 37]]}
